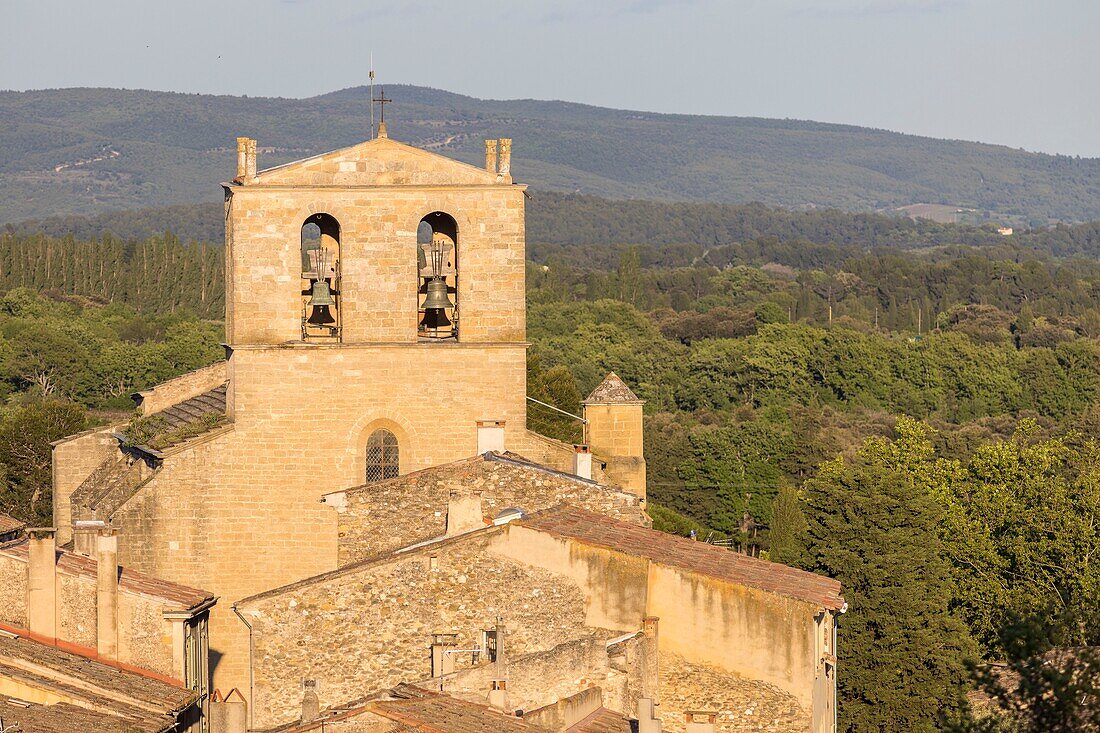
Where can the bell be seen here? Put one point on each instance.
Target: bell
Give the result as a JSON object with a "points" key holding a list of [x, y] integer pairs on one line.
{"points": [[436, 305], [321, 294], [321, 316], [437, 295], [320, 301], [307, 259]]}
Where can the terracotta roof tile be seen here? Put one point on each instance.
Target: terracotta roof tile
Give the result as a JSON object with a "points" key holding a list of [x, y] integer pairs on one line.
{"points": [[445, 714], [602, 721], [9, 525], [680, 552], [66, 718], [47, 666], [182, 597]]}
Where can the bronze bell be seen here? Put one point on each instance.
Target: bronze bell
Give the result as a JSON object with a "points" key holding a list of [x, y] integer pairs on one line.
{"points": [[321, 294], [436, 305], [320, 301]]}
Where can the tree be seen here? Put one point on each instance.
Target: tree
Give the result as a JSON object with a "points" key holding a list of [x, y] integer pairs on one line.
{"points": [[874, 527], [788, 526], [25, 436]]}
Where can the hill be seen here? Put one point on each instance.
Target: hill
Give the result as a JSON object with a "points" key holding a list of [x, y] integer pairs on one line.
{"points": [[85, 151]]}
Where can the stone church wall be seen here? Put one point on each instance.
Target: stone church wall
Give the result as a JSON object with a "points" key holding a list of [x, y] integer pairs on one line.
{"points": [[74, 459], [367, 627], [395, 513]]}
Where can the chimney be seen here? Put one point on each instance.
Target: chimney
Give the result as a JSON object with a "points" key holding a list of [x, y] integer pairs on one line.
{"points": [[498, 695], [700, 721], [490, 436], [85, 532], [311, 704], [42, 583], [242, 157], [250, 159], [106, 593], [505, 169], [648, 722], [491, 156], [582, 461], [464, 512], [651, 669]]}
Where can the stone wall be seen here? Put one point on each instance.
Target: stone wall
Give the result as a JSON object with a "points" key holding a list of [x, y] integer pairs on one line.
{"points": [[74, 459], [369, 626], [743, 705], [543, 678], [182, 388], [145, 638], [399, 512], [554, 453]]}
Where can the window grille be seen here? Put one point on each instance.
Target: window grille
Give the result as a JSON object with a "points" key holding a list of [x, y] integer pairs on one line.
{"points": [[383, 456]]}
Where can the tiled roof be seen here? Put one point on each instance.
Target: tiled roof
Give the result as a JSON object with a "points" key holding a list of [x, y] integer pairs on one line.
{"points": [[181, 597], [445, 714], [66, 718], [10, 524], [612, 391], [122, 693], [181, 422], [680, 552]]}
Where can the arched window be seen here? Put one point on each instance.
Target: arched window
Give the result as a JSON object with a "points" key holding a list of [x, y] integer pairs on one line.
{"points": [[383, 456], [437, 265], [320, 248]]}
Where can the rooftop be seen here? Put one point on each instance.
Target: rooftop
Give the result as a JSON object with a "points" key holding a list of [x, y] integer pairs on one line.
{"points": [[179, 597], [66, 718], [686, 554], [10, 525], [179, 423], [435, 712], [612, 391], [148, 704]]}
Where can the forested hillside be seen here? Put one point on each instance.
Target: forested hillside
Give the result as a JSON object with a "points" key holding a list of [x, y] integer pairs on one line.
{"points": [[91, 150], [908, 407]]}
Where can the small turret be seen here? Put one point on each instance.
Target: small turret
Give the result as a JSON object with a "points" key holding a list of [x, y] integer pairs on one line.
{"points": [[614, 415]]}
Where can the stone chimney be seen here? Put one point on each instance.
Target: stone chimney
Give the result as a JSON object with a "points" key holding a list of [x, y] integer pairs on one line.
{"points": [[250, 159], [464, 512], [491, 156], [648, 722], [85, 532], [242, 158], [311, 704], [651, 667], [42, 583], [582, 461], [700, 721], [504, 169], [107, 593], [490, 436]]}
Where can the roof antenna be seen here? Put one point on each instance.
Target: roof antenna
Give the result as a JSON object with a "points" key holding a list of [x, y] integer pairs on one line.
{"points": [[372, 95]]}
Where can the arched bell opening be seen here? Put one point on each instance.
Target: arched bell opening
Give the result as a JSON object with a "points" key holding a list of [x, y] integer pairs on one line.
{"points": [[320, 251], [437, 265]]}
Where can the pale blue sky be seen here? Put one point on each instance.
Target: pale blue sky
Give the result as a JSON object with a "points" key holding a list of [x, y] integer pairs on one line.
{"points": [[1019, 73]]}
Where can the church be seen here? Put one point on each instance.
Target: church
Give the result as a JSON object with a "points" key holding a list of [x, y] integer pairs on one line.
{"points": [[390, 547]]}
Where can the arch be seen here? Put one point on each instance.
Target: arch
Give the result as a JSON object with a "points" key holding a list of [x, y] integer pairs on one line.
{"points": [[437, 276], [404, 431], [320, 260], [383, 456]]}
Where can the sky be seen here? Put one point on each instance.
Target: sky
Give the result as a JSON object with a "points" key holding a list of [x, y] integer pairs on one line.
{"points": [[1017, 73]]}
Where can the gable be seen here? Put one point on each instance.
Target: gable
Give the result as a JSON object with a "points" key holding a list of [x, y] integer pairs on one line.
{"points": [[378, 162]]}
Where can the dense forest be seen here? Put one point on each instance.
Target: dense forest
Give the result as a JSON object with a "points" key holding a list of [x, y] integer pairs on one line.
{"points": [[81, 151], [908, 407]]}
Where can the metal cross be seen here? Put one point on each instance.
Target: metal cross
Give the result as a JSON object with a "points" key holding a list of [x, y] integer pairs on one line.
{"points": [[382, 102]]}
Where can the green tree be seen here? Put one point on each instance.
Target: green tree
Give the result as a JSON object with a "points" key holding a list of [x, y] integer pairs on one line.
{"points": [[874, 527], [25, 436]]}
